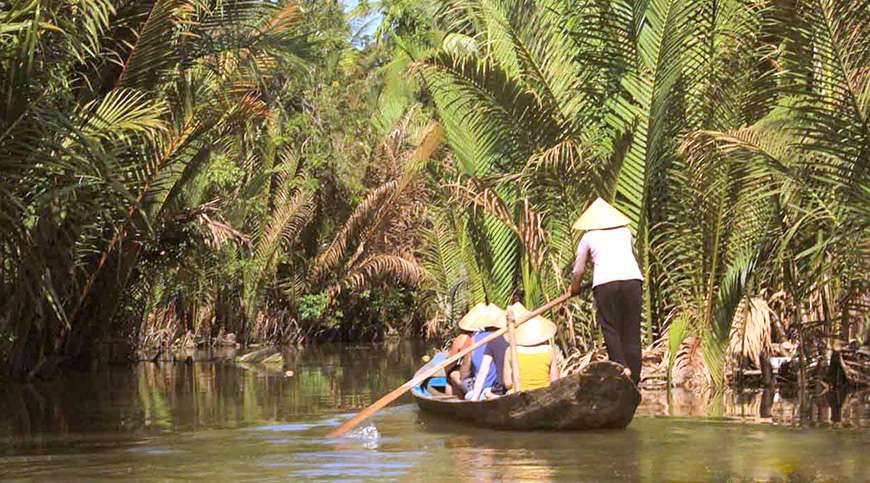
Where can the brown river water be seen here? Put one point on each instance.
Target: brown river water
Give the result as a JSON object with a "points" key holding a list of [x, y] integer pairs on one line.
{"points": [[214, 420]]}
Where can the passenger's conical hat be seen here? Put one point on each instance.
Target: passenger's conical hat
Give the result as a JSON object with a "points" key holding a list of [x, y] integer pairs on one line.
{"points": [[496, 317], [534, 331], [482, 316], [600, 216], [471, 321], [518, 309]]}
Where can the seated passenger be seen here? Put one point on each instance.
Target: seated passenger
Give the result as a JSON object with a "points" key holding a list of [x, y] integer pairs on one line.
{"points": [[468, 325], [536, 356], [487, 361]]}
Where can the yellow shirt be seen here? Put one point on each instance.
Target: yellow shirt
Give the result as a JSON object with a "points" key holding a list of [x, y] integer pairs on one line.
{"points": [[534, 364]]}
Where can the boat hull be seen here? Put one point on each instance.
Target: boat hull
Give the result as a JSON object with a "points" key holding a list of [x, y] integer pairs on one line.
{"points": [[599, 397]]}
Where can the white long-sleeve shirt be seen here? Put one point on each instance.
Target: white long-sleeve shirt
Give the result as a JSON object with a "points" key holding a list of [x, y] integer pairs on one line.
{"points": [[611, 254]]}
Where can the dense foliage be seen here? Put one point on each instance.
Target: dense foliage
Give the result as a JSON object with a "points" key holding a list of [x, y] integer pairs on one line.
{"points": [[253, 167], [171, 166], [733, 133]]}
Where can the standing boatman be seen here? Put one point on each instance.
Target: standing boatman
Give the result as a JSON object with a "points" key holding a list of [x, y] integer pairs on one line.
{"points": [[616, 281]]}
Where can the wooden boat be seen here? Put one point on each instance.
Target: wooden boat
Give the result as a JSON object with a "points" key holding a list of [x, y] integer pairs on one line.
{"points": [[599, 397]]}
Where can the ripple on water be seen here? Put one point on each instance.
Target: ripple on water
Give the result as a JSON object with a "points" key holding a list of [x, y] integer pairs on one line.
{"points": [[288, 427], [157, 451], [348, 463]]}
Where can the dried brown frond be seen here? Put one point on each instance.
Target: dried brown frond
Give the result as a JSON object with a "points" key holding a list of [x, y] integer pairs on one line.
{"points": [[374, 221], [689, 368], [434, 326], [283, 20], [366, 211], [578, 361], [532, 234], [228, 62], [432, 139], [854, 359], [399, 270], [219, 232], [268, 65], [241, 87], [565, 156], [477, 194], [654, 364], [394, 142], [292, 212], [750, 331], [248, 108]]}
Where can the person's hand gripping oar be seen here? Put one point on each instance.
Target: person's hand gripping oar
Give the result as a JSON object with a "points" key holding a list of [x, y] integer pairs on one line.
{"points": [[422, 376]]}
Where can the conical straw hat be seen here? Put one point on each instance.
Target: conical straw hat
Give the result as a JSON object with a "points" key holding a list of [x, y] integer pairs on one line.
{"points": [[482, 316], [496, 317], [533, 332], [470, 322], [518, 309], [600, 216]]}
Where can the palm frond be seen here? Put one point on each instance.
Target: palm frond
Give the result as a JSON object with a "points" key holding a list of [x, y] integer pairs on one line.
{"points": [[490, 120], [476, 194], [750, 334], [689, 366], [442, 257], [441, 254], [293, 209], [833, 111], [477, 281], [124, 113], [678, 331], [153, 52], [395, 269], [504, 253], [362, 214], [649, 93]]}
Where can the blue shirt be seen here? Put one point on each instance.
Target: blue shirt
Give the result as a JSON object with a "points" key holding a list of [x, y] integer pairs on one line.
{"points": [[477, 359]]}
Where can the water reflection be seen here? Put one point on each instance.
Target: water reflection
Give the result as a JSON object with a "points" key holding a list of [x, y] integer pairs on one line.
{"points": [[187, 396], [653, 449], [219, 420], [539, 456], [840, 409]]}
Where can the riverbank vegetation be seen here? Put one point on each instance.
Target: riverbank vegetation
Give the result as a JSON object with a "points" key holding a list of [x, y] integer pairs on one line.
{"points": [[259, 169]]}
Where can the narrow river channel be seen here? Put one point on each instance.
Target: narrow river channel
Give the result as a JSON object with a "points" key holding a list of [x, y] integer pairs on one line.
{"points": [[216, 420]]}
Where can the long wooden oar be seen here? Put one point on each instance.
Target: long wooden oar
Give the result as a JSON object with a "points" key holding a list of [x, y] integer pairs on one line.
{"points": [[422, 376]]}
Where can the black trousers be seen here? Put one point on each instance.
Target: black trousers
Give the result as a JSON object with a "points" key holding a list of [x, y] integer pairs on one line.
{"points": [[618, 315]]}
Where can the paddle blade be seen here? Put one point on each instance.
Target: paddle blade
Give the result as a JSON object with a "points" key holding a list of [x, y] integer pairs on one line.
{"points": [[365, 413]]}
